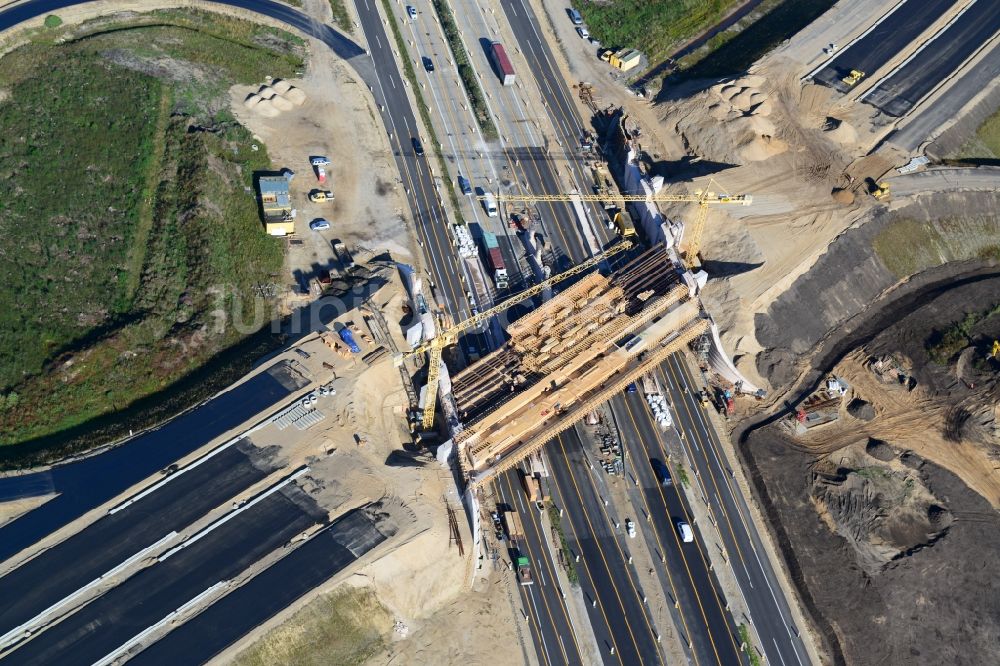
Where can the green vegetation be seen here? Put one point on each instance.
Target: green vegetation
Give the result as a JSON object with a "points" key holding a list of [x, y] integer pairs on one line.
{"points": [[656, 27], [683, 475], [733, 51], [341, 18], [985, 145], [465, 72], [907, 246], [346, 627], [52, 21], [571, 573], [129, 245], [745, 640], [425, 115], [942, 346]]}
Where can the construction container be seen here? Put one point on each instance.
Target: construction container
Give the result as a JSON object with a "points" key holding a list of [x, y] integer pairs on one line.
{"points": [[502, 63]]}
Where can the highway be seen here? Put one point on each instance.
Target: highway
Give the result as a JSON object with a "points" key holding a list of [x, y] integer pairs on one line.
{"points": [[623, 622], [896, 31], [60, 571], [688, 578], [903, 88], [101, 627], [250, 605], [86, 484], [769, 609]]}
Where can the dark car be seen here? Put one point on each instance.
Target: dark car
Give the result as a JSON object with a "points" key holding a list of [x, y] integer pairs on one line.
{"points": [[632, 388], [463, 184], [428, 63], [661, 471], [418, 147]]}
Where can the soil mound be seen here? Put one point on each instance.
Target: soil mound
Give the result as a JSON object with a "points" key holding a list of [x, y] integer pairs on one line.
{"points": [[880, 450], [841, 196], [861, 409]]}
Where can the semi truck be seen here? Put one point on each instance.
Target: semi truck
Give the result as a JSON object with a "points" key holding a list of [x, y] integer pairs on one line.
{"points": [[515, 531], [533, 488], [495, 257], [502, 63]]}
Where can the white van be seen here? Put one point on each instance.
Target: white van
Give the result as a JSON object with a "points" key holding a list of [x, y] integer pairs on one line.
{"points": [[490, 204], [687, 536]]}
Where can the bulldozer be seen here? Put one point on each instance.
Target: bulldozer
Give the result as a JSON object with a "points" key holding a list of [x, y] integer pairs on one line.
{"points": [[881, 191], [852, 79]]}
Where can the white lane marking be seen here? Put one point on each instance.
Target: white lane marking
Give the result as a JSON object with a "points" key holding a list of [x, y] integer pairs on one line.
{"points": [[836, 54]]}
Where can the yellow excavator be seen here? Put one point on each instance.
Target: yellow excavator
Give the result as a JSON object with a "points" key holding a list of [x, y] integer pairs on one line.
{"points": [[852, 79]]}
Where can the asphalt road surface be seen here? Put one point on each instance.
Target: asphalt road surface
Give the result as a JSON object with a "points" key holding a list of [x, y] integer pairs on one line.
{"points": [[250, 605], [904, 88], [754, 572], [888, 38], [104, 625], [620, 617], [72, 564], [708, 626], [86, 484], [922, 125]]}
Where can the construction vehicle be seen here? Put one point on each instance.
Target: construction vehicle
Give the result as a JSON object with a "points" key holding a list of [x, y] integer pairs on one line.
{"points": [[449, 336], [603, 186], [320, 196], [495, 256], [852, 79], [881, 190], [624, 225], [623, 59], [692, 235], [533, 488], [995, 351], [524, 570], [704, 398], [346, 260]]}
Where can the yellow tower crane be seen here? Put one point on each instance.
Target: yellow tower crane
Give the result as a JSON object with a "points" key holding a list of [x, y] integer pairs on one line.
{"points": [[436, 346], [692, 235]]}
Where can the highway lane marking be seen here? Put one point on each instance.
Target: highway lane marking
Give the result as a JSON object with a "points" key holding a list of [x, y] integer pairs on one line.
{"points": [[600, 549], [712, 436], [232, 514], [677, 541], [836, 54], [528, 549]]}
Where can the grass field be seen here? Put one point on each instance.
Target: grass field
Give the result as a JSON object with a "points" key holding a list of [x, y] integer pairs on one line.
{"points": [[985, 145], [343, 628], [656, 27], [128, 241]]}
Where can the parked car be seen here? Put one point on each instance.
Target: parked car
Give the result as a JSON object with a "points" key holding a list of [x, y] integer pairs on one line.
{"points": [[418, 148], [661, 471], [411, 11], [464, 185], [319, 224], [574, 16], [319, 160], [428, 63], [583, 32], [320, 196], [687, 536]]}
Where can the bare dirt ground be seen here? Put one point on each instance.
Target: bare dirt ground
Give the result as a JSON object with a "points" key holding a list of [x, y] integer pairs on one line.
{"points": [[336, 120]]}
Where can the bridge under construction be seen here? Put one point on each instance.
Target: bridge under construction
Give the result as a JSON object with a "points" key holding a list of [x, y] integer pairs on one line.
{"points": [[568, 356]]}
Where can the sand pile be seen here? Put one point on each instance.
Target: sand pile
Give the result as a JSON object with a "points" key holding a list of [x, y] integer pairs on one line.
{"points": [[270, 100], [743, 110]]}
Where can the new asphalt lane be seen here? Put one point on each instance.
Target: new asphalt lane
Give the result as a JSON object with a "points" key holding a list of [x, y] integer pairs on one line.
{"points": [[72, 564], [250, 605], [104, 625], [86, 484], [888, 38], [904, 88]]}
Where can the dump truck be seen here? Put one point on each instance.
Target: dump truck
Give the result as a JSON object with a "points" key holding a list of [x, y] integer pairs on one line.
{"points": [[495, 257], [502, 63], [524, 570], [624, 224]]}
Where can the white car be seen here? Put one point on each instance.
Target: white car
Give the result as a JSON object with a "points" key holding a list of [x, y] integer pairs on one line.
{"points": [[319, 224], [687, 536], [630, 528], [411, 11], [319, 160], [583, 32]]}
